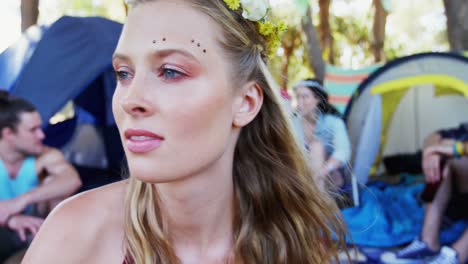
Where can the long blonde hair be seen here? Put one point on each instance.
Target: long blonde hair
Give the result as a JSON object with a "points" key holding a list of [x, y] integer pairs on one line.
{"points": [[280, 214]]}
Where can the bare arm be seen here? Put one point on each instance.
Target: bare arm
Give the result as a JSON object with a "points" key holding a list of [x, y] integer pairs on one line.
{"points": [[432, 139], [62, 179], [61, 182], [342, 148], [446, 148], [435, 139], [432, 157]]}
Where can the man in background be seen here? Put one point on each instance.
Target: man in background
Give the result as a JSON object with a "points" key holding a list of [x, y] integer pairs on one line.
{"points": [[30, 174]]}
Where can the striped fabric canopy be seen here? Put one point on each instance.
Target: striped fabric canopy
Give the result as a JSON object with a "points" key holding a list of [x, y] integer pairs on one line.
{"points": [[342, 83]]}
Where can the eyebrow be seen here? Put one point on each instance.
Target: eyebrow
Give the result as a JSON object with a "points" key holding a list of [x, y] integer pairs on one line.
{"points": [[168, 52], [118, 56], [159, 54], [35, 127]]}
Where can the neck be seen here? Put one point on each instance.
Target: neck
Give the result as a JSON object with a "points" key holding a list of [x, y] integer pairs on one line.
{"points": [[9, 155], [200, 209]]}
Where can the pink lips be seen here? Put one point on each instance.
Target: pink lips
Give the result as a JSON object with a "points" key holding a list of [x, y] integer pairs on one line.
{"points": [[142, 141]]}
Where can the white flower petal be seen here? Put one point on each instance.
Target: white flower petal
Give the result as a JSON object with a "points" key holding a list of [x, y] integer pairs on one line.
{"points": [[254, 10]]}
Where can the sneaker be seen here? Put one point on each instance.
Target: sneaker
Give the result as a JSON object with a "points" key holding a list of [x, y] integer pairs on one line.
{"points": [[447, 255], [414, 253]]}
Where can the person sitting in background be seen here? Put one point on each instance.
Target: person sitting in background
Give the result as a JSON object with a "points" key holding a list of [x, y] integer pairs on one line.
{"points": [[445, 166], [30, 173], [325, 133]]}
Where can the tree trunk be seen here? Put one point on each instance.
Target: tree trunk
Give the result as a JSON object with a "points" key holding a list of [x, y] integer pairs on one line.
{"points": [[125, 6], [29, 13], [290, 40], [313, 47], [285, 67], [456, 12], [326, 38], [378, 30]]}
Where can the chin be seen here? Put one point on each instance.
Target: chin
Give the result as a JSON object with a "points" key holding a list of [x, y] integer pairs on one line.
{"points": [[40, 149], [35, 151], [150, 174]]}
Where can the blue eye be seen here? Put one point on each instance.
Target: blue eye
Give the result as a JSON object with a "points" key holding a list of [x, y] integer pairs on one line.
{"points": [[121, 75], [170, 73]]}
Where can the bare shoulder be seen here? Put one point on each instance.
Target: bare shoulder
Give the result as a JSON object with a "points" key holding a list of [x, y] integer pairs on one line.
{"points": [[50, 157], [49, 152], [87, 228]]}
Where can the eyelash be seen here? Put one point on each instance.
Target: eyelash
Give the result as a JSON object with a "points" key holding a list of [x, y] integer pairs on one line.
{"points": [[164, 70], [122, 75]]}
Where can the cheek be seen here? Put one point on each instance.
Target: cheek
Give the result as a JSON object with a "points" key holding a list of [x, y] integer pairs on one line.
{"points": [[116, 107], [314, 102], [203, 117], [311, 102], [196, 121], [302, 103], [198, 131], [306, 103]]}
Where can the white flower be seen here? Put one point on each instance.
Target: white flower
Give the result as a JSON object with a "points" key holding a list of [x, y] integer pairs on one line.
{"points": [[254, 10]]}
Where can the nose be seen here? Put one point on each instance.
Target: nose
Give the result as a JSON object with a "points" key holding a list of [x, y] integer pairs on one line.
{"points": [[135, 103], [300, 101], [40, 134]]}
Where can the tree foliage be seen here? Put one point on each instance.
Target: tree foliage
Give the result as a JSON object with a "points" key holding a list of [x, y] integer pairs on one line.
{"points": [[111, 9], [342, 39]]}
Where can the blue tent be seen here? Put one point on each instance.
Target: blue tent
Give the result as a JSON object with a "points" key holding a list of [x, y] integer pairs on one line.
{"points": [[70, 60], [72, 55], [16, 56]]}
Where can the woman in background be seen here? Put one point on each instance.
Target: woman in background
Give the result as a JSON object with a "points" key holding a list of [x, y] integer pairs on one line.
{"points": [[325, 133]]}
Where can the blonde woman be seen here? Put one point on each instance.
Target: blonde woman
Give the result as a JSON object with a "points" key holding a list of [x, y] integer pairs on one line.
{"points": [[215, 173]]}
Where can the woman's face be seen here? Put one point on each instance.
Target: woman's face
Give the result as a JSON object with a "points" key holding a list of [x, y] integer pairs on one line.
{"points": [[306, 100], [174, 102]]}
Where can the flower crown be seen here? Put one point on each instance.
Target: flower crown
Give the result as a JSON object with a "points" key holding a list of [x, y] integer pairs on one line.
{"points": [[257, 11]]}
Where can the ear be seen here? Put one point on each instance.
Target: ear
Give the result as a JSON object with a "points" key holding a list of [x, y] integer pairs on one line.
{"points": [[6, 132], [247, 104]]}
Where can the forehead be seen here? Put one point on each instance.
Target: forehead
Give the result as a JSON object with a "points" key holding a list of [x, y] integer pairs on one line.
{"points": [[301, 90], [169, 24], [30, 119]]}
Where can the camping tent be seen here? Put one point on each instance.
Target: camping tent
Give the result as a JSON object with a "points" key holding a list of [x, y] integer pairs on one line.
{"points": [[16, 56], [400, 104], [69, 61], [72, 54]]}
